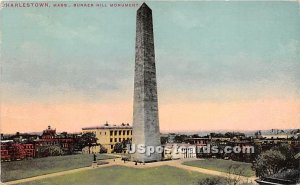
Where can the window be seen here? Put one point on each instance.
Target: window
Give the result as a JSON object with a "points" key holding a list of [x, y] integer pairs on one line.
{"points": [[111, 140], [111, 133], [127, 132], [111, 146], [104, 133], [123, 132], [120, 132], [119, 139], [116, 132], [115, 139], [131, 132]]}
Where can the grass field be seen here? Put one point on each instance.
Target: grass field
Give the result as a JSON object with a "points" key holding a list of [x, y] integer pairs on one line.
{"points": [[29, 168], [222, 165], [119, 175]]}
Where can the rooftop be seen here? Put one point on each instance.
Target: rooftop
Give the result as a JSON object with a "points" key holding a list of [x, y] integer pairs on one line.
{"points": [[109, 126]]}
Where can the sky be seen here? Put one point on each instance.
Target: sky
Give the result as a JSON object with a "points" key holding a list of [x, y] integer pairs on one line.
{"points": [[220, 66]]}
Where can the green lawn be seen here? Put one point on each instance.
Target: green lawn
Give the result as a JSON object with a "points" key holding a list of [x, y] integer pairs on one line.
{"points": [[120, 175], [29, 168], [222, 165]]}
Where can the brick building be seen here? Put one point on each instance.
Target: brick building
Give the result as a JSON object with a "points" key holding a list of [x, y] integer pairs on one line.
{"points": [[17, 151], [49, 137]]}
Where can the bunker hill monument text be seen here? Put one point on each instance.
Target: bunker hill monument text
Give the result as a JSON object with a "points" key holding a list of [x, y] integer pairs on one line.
{"points": [[145, 106]]}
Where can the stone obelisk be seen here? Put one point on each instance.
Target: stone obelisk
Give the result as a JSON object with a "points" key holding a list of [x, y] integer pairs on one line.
{"points": [[145, 106]]}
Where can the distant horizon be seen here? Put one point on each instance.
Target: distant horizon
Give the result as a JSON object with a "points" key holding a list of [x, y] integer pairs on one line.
{"points": [[161, 131]]}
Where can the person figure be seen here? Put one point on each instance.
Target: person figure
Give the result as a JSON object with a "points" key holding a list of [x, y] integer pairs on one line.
{"points": [[95, 158]]}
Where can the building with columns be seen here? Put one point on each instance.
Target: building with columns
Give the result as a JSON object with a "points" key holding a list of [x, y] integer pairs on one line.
{"points": [[108, 135]]}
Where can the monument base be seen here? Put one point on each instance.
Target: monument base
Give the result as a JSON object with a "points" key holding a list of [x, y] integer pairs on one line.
{"points": [[94, 164]]}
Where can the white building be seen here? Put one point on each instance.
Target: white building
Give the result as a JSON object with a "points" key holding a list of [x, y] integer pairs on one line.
{"points": [[179, 151]]}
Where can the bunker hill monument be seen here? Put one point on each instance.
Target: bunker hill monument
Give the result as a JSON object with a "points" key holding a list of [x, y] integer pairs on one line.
{"points": [[145, 106]]}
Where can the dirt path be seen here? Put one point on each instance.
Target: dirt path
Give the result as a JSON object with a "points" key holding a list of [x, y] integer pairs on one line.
{"points": [[119, 162]]}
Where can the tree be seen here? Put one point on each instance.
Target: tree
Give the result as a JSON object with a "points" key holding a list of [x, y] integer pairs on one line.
{"points": [[269, 162], [50, 150], [64, 134], [86, 140], [234, 134], [195, 136], [216, 135], [163, 140], [289, 152], [121, 146], [180, 138], [118, 148], [102, 149]]}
